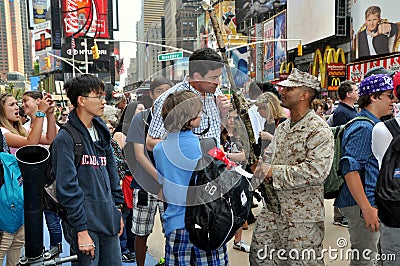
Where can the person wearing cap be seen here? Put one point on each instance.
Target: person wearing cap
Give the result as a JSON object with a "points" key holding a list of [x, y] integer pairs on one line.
{"points": [[302, 155], [381, 70], [360, 168], [389, 241]]}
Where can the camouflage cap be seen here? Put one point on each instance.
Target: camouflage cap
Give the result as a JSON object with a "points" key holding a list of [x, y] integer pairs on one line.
{"points": [[379, 70], [298, 78], [375, 83]]}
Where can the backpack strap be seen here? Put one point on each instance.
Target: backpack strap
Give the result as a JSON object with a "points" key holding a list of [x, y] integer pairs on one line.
{"points": [[393, 127], [78, 144], [2, 139], [146, 120], [359, 118]]}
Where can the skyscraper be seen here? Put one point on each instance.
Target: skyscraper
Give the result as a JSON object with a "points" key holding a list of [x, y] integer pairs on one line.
{"points": [[11, 38]]}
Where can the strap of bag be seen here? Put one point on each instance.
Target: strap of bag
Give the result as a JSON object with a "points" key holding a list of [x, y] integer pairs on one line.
{"points": [[1, 138], [78, 144], [146, 117]]}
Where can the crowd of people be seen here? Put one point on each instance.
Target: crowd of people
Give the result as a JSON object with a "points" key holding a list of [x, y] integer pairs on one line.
{"points": [[142, 162]]}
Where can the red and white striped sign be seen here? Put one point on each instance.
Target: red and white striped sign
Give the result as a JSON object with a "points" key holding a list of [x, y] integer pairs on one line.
{"points": [[356, 71]]}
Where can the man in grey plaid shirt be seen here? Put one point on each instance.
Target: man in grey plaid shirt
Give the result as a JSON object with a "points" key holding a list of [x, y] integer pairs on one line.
{"points": [[205, 69]]}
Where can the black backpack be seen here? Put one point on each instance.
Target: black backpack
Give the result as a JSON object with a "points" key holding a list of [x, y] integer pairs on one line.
{"points": [[218, 201], [388, 185], [50, 200]]}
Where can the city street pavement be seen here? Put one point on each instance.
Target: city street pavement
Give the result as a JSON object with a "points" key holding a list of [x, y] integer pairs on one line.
{"points": [[333, 233], [334, 236]]}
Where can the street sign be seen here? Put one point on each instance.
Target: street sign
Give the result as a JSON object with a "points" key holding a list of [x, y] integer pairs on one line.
{"points": [[170, 56]]}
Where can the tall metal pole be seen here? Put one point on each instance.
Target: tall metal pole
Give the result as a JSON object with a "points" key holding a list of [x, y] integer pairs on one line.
{"points": [[73, 62], [86, 56], [221, 45]]}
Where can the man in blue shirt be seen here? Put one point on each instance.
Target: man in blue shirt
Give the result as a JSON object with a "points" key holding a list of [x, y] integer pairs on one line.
{"points": [[348, 96], [360, 168]]}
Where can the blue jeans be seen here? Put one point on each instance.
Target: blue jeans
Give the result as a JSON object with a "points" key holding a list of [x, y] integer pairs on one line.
{"points": [[54, 227], [105, 253], [361, 238], [127, 239], [390, 245]]}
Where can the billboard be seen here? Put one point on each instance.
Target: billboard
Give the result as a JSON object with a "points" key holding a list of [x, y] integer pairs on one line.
{"points": [[375, 28], [268, 50], [239, 72], [310, 20], [250, 9], [279, 46], [356, 71], [227, 17], [85, 18], [38, 12], [42, 38]]}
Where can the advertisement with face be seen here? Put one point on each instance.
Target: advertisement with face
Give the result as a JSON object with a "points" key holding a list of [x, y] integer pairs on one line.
{"points": [[374, 28], [251, 9], [269, 50], [280, 46]]}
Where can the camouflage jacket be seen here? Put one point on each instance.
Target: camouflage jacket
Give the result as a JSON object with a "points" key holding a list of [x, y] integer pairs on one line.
{"points": [[301, 162]]}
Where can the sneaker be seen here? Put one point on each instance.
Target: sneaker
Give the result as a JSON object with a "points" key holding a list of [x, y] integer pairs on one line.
{"points": [[161, 262], [128, 257], [342, 221], [251, 220], [242, 246]]}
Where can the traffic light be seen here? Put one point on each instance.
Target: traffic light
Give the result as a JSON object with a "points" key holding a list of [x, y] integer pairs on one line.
{"points": [[299, 50], [95, 51], [47, 62]]}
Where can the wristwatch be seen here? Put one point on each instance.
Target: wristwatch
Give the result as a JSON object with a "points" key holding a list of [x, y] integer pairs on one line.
{"points": [[40, 114]]}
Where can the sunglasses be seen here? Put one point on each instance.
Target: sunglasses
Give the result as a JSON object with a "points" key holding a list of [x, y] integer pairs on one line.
{"points": [[391, 96], [64, 114]]}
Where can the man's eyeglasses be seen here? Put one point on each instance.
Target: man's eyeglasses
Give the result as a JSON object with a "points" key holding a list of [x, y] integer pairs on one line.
{"points": [[391, 96], [100, 97]]}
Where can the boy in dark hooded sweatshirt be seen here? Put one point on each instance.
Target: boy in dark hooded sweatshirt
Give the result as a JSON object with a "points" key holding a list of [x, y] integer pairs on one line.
{"points": [[90, 192]]}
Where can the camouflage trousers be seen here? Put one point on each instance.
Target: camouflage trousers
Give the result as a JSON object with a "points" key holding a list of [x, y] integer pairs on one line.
{"points": [[277, 241]]}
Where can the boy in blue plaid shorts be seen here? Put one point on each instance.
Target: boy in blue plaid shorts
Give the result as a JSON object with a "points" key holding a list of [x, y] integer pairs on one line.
{"points": [[176, 158]]}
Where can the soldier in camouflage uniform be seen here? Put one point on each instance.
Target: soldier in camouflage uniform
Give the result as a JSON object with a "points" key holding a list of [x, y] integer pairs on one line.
{"points": [[302, 159]]}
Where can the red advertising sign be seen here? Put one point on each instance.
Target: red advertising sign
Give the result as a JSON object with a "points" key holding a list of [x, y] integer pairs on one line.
{"points": [[85, 18], [336, 69], [356, 72]]}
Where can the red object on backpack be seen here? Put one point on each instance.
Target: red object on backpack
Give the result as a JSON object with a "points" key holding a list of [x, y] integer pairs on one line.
{"points": [[128, 192]]}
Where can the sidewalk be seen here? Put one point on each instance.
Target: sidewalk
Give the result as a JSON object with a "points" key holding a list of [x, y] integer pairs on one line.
{"points": [[156, 242], [333, 233]]}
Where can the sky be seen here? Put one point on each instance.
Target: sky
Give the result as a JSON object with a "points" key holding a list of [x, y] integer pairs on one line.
{"points": [[129, 12]]}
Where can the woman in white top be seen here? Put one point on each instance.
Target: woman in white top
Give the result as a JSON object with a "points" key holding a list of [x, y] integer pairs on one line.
{"points": [[16, 136]]}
